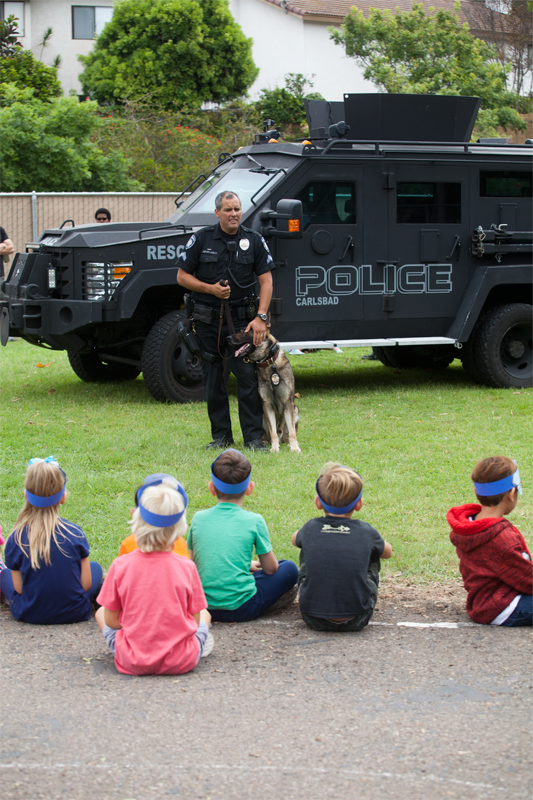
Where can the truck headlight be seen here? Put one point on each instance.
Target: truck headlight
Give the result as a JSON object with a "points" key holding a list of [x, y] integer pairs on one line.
{"points": [[101, 279]]}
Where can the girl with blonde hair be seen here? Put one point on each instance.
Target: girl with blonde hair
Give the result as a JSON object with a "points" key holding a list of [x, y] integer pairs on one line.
{"points": [[49, 579], [153, 615]]}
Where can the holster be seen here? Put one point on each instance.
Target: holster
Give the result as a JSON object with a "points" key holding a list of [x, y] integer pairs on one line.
{"points": [[186, 334]]}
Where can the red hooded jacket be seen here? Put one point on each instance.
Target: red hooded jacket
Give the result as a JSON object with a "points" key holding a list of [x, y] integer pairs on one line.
{"points": [[491, 561]]}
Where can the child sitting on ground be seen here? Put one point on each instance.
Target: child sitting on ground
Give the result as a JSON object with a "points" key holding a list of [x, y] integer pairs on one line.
{"points": [[129, 544], [493, 556], [221, 542], [153, 616], [340, 557], [49, 580]]}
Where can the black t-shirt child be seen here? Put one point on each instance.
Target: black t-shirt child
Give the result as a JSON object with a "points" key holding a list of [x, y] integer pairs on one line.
{"points": [[334, 559]]}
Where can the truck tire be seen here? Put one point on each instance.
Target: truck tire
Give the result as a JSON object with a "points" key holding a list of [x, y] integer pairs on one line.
{"points": [[171, 374], [90, 368], [381, 355], [421, 356], [500, 350]]}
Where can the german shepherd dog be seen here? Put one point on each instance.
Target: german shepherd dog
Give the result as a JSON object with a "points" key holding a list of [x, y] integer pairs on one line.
{"points": [[276, 387]]}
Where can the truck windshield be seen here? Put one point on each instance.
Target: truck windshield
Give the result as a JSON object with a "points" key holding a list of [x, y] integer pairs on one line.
{"points": [[244, 182]]}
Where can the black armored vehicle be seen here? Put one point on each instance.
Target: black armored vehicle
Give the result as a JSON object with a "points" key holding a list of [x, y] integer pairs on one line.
{"points": [[388, 229]]}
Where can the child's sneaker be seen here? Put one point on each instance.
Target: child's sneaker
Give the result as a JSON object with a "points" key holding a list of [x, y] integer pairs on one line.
{"points": [[284, 601], [208, 646]]}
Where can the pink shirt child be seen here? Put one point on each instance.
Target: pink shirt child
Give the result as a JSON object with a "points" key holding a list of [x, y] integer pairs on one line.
{"points": [[158, 593]]}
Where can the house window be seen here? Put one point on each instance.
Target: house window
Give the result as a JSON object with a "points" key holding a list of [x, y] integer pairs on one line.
{"points": [[499, 6], [420, 203], [328, 203], [17, 9], [89, 21]]}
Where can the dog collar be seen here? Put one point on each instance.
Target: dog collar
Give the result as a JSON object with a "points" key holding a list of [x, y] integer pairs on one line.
{"points": [[46, 502], [499, 487], [271, 359], [342, 509], [162, 520], [229, 488]]}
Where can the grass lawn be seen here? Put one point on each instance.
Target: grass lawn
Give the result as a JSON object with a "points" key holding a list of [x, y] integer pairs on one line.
{"points": [[414, 436]]}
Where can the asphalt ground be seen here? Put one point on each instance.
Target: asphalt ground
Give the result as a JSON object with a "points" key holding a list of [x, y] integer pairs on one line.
{"points": [[276, 711]]}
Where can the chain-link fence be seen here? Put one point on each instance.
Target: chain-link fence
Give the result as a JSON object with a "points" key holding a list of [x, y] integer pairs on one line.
{"points": [[24, 216]]}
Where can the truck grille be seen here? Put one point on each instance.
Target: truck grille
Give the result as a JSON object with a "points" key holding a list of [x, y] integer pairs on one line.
{"points": [[100, 280]]}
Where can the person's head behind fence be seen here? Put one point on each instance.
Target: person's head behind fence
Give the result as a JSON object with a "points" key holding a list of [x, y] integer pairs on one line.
{"points": [[102, 215]]}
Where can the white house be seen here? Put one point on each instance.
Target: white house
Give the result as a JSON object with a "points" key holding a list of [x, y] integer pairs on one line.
{"points": [[74, 26], [293, 37]]}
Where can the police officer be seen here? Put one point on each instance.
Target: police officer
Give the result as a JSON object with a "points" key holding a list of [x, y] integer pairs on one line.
{"points": [[6, 249], [222, 263]]}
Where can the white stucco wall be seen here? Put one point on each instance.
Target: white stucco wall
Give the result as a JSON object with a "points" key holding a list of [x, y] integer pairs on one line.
{"points": [[285, 43], [57, 14]]}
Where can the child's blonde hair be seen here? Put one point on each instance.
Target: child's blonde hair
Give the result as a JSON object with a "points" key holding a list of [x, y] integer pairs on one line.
{"points": [[165, 501], [43, 479], [338, 485]]}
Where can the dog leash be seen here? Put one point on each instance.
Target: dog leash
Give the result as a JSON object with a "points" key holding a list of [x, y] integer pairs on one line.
{"points": [[225, 307]]}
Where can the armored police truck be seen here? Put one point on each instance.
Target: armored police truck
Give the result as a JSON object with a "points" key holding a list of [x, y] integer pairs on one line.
{"points": [[388, 229]]}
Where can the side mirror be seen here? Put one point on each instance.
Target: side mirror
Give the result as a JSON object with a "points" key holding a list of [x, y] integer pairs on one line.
{"points": [[288, 218]]}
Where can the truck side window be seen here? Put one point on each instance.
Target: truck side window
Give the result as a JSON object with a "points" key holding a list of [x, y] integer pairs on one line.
{"points": [[422, 203], [328, 203], [504, 183]]}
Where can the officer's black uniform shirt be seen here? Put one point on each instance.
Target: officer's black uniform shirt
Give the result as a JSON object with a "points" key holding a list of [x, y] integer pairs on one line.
{"points": [[3, 235], [207, 258]]}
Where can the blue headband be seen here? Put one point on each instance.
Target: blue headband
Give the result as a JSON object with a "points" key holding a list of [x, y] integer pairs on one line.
{"points": [[229, 488], [343, 509], [499, 487], [45, 502], [162, 520]]}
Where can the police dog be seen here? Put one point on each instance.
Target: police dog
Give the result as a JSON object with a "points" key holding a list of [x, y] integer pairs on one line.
{"points": [[276, 387]]}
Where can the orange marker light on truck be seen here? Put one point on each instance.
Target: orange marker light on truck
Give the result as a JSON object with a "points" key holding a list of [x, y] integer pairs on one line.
{"points": [[294, 225]]}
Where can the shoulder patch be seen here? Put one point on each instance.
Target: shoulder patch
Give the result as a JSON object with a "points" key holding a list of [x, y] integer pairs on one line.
{"points": [[265, 245], [190, 242]]}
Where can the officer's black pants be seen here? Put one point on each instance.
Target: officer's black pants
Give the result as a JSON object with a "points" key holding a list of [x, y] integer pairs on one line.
{"points": [[250, 407]]}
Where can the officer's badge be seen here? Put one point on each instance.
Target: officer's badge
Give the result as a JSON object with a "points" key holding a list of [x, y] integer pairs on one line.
{"points": [[244, 244], [190, 242], [274, 378]]}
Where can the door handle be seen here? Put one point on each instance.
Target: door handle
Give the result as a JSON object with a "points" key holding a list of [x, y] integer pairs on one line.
{"points": [[349, 244], [456, 246]]}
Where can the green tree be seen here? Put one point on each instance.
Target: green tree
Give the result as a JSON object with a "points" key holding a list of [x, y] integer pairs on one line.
{"points": [[22, 69], [178, 52], [415, 52], [49, 147], [286, 105]]}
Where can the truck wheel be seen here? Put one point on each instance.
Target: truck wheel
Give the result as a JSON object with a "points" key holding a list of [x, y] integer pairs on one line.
{"points": [[500, 350], [90, 368], [421, 356], [381, 355], [171, 374]]}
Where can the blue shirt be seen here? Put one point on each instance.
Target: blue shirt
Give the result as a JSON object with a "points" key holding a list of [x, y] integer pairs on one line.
{"points": [[52, 594]]}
